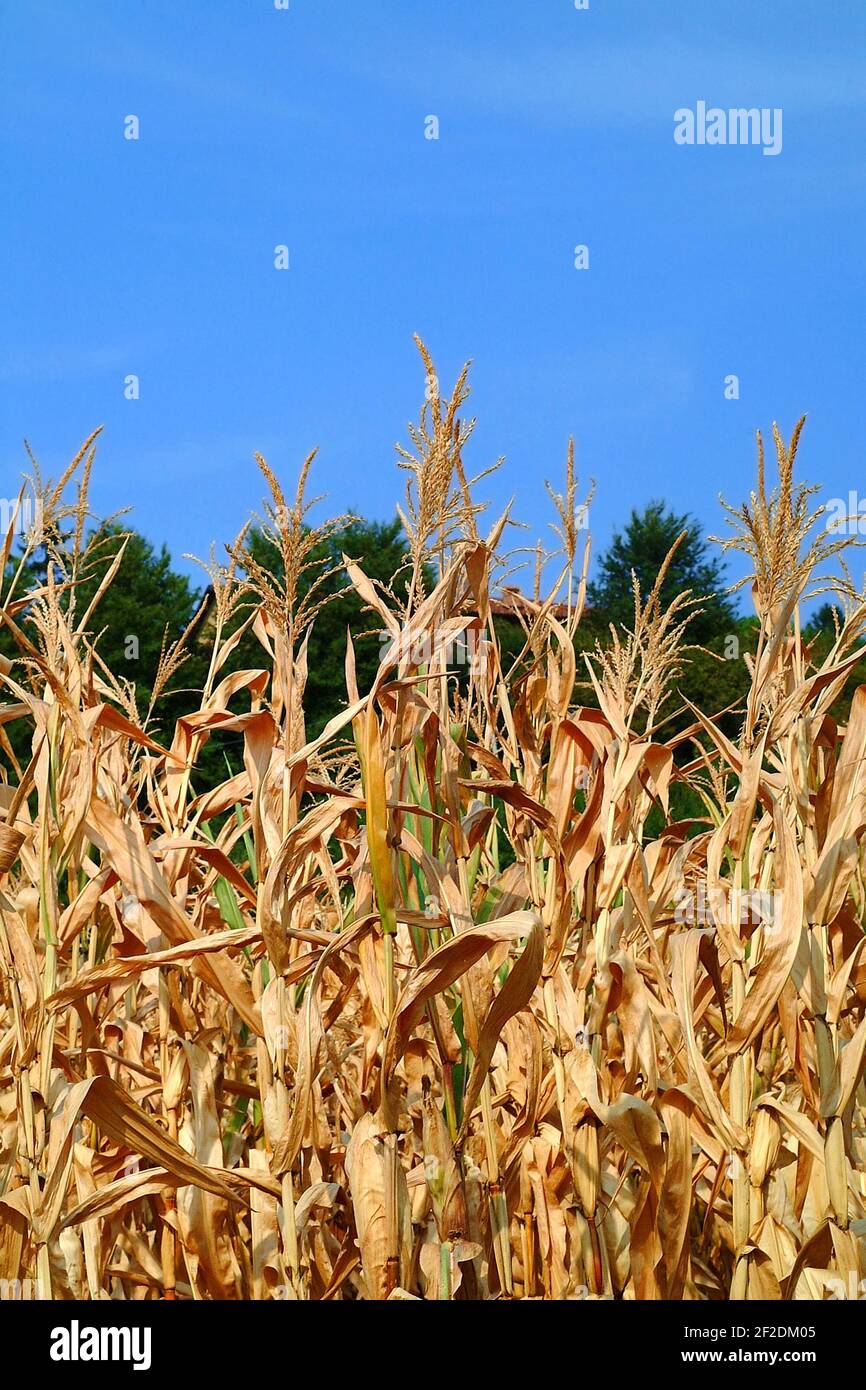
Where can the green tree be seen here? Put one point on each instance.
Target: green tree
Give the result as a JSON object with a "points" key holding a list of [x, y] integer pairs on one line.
{"points": [[714, 675], [148, 603], [821, 623], [642, 547], [379, 547]]}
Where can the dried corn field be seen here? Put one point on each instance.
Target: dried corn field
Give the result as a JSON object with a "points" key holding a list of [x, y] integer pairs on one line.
{"points": [[443, 1003]]}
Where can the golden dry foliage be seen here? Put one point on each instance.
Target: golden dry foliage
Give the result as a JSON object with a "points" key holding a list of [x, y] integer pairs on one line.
{"points": [[423, 1008]]}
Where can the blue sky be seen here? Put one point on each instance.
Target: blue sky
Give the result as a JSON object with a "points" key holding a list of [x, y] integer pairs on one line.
{"points": [[260, 127]]}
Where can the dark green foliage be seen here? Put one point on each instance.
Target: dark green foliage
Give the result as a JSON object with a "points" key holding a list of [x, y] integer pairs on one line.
{"points": [[148, 605], [642, 547], [150, 602]]}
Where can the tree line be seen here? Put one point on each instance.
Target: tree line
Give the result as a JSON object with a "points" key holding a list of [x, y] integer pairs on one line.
{"points": [[151, 604]]}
